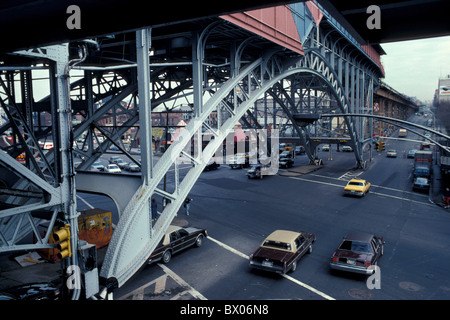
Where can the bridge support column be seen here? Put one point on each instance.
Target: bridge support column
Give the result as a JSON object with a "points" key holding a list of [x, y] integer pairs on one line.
{"points": [[143, 43]]}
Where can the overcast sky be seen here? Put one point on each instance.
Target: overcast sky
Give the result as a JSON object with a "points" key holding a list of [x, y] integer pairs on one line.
{"points": [[414, 67]]}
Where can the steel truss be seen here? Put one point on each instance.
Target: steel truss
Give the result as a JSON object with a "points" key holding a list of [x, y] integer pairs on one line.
{"points": [[222, 71], [235, 96]]}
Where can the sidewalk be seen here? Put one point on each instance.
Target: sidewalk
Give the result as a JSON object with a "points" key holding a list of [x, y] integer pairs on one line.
{"points": [[300, 170]]}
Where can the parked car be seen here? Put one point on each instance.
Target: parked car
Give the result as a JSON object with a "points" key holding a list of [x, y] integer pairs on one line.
{"points": [[121, 163], [357, 187], [212, 165], [113, 168], [281, 251], [326, 147], [98, 166], [176, 239], [421, 184], [347, 149], [299, 150], [255, 172], [287, 154], [391, 154], [411, 153], [133, 167], [114, 159], [239, 161], [358, 252], [285, 162]]}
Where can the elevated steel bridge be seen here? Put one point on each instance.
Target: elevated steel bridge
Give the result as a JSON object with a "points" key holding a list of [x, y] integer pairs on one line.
{"points": [[257, 68]]}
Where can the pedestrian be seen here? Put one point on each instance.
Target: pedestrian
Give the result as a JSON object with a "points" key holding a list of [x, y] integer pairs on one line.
{"points": [[187, 204], [154, 208]]}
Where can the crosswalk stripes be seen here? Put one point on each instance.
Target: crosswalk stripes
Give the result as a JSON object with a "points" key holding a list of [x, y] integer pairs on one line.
{"points": [[169, 286], [350, 175]]}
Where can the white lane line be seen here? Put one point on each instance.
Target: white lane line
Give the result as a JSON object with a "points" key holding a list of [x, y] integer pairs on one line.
{"points": [[223, 245], [350, 175], [375, 185], [404, 199], [304, 285], [242, 255], [372, 192], [85, 202]]}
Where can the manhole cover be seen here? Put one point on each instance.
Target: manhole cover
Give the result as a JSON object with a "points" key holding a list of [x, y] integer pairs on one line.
{"points": [[360, 294], [409, 286]]}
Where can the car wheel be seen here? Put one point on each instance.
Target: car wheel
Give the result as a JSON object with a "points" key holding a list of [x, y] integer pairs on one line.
{"points": [[166, 256], [199, 241], [294, 266]]}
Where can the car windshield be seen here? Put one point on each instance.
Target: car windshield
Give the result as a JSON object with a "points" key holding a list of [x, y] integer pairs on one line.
{"points": [[355, 246], [354, 183], [277, 245]]}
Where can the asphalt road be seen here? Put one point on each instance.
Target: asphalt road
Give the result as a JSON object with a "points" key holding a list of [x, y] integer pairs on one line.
{"points": [[239, 213]]}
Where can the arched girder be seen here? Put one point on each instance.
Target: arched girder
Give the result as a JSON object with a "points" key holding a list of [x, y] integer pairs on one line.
{"points": [[135, 238], [342, 106], [304, 139], [314, 62]]}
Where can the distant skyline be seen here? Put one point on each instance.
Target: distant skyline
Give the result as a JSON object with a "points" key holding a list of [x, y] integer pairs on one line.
{"points": [[414, 67]]}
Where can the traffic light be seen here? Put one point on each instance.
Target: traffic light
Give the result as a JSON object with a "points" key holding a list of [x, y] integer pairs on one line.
{"points": [[380, 146], [63, 237]]}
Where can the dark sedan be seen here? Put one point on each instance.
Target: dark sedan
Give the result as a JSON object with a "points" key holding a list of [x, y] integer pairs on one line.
{"points": [[212, 165], [285, 162], [358, 252], [421, 184], [176, 239], [281, 251], [133, 167]]}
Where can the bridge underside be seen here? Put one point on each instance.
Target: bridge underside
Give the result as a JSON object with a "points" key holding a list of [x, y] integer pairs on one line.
{"points": [[161, 89]]}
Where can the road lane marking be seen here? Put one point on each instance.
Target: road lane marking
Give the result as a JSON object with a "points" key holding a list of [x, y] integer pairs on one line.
{"points": [[375, 185], [298, 282], [182, 283], [350, 175], [223, 245], [377, 193], [304, 285], [85, 202]]}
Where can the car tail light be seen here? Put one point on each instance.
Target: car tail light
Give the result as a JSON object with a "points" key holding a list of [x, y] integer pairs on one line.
{"points": [[335, 259], [367, 264]]}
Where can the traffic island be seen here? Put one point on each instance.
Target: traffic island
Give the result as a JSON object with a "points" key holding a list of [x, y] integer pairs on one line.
{"points": [[300, 170]]}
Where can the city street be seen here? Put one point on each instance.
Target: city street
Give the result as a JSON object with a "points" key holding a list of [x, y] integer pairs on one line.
{"points": [[239, 213]]}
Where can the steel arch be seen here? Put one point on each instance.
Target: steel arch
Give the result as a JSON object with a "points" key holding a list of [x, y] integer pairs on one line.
{"points": [[135, 238]]}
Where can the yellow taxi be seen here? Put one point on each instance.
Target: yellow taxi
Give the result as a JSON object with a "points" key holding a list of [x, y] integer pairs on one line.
{"points": [[357, 187]]}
